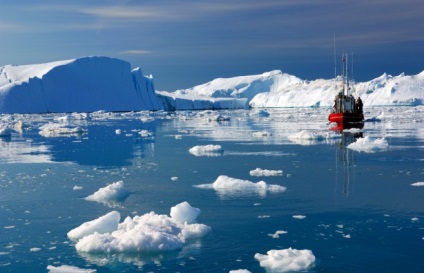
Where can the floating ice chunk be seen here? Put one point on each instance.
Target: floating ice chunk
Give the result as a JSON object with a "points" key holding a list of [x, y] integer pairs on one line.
{"points": [[218, 118], [265, 172], [77, 188], [118, 131], [300, 217], [145, 133], [347, 236], [183, 212], [286, 260], [277, 234], [418, 184], [110, 195], [240, 271], [35, 249], [5, 130], [174, 178], [206, 150], [305, 137], [104, 224], [367, 145], [261, 113], [68, 269], [232, 186], [261, 134], [150, 232], [55, 129]]}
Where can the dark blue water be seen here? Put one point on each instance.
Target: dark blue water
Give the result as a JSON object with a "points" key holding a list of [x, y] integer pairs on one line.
{"points": [[362, 214]]}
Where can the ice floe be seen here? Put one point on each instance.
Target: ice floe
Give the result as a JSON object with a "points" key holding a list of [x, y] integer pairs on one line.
{"points": [[418, 184], [150, 232], [286, 260], [369, 145]]}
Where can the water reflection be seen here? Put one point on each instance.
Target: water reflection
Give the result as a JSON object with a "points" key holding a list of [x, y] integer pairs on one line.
{"points": [[345, 160]]}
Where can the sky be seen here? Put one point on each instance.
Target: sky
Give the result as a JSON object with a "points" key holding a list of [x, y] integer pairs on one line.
{"points": [[189, 42]]}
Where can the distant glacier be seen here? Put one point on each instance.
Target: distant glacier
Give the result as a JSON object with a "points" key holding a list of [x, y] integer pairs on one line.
{"points": [[91, 84]]}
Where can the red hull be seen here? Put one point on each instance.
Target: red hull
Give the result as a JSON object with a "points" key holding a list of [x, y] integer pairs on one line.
{"points": [[344, 118]]}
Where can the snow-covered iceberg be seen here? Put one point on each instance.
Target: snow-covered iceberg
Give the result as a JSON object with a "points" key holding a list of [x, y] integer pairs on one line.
{"points": [[79, 85]]}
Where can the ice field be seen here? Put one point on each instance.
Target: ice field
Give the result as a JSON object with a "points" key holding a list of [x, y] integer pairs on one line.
{"points": [[260, 190]]}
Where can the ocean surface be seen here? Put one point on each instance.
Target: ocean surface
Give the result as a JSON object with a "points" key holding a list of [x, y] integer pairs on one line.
{"points": [[356, 211]]}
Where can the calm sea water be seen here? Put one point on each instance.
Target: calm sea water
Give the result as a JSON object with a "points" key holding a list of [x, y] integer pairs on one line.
{"points": [[362, 214]]}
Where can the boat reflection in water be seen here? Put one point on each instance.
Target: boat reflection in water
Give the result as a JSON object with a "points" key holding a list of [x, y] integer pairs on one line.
{"points": [[345, 161]]}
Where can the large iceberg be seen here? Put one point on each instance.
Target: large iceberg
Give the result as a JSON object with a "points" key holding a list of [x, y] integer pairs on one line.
{"points": [[79, 85]]}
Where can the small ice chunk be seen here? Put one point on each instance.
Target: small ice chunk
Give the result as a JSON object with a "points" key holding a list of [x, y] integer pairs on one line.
{"points": [[300, 217], [5, 130], [104, 224], [77, 188], [206, 150], [184, 213], [265, 172], [228, 185], [261, 134], [277, 234], [35, 249], [418, 184], [240, 271], [69, 269], [110, 194], [286, 260], [368, 145]]}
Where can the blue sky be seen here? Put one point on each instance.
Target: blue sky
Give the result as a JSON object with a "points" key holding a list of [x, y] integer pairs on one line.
{"points": [[189, 42]]}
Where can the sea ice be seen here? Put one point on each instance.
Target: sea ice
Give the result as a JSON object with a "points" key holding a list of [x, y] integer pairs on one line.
{"points": [[368, 145], [265, 172], [150, 232], [286, 260], [206, 150], [240, 271], [418, 184], [110, 195]]}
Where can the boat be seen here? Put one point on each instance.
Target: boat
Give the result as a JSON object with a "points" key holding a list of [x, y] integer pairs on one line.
{"points": [[347, 111]]}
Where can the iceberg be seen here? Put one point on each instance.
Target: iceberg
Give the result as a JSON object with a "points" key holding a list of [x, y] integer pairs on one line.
{"points": [[85, 84]]}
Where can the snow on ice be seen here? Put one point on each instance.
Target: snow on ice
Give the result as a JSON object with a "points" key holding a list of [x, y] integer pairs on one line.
{"points": [[146, 233], [286, 260], [90, 84], [418, 184], [225, 185]]}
